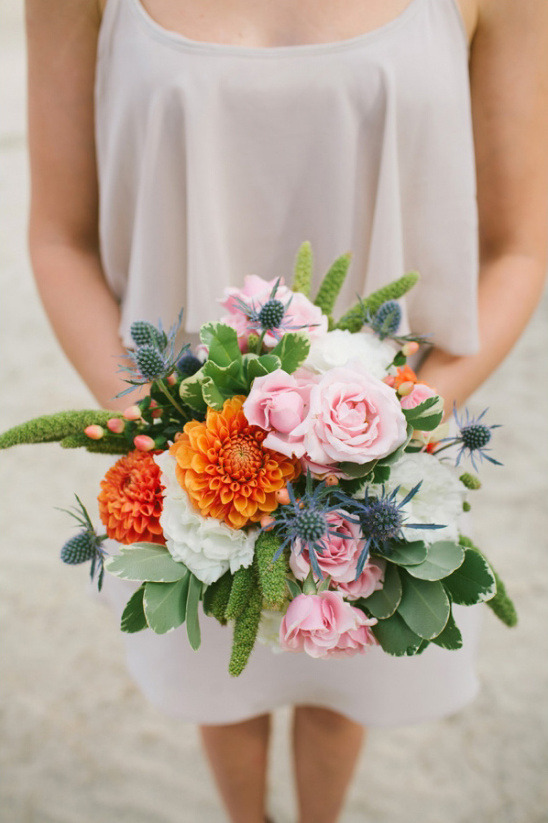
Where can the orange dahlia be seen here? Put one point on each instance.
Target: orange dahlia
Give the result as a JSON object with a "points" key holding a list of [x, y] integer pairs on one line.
{"points": [[225, 469], [130, 502]]}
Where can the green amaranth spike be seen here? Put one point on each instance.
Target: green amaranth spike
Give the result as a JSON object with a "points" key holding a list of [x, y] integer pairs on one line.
{"points": [[240, 592], [332, 284], [353, 319], [216, 597], [106, 445], [245, 629], [271, 575], [500, 604], [470, 481], [303, 270], [54, 427]]}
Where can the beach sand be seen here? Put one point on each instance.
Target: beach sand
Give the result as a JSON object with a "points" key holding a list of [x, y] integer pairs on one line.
{"points": [[79, 744]]}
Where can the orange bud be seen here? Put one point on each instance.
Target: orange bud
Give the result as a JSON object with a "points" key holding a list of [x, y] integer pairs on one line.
{"points": [[144, 443], [116, 425], [94, 432], [267, 522], [282, 496], [409, 348]]}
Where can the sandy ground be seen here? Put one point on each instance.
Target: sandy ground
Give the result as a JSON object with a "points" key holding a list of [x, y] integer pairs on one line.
{"points": [[79, 744]]}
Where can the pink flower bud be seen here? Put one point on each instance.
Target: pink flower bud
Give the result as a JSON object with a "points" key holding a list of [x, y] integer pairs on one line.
{"points": [[116, 425], [156, 410], [132, 413], [267, 522], [144, 443], [405, 388], [171, 380], [282, 496], [94, 432], [409, 348]]}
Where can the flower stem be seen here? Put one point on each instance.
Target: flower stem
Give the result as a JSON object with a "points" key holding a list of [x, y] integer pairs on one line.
{"points": [[163, 388]]}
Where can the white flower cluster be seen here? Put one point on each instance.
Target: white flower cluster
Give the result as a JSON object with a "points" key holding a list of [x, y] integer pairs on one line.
{"points": [[338, 347], [207, 546], [439, 499]]}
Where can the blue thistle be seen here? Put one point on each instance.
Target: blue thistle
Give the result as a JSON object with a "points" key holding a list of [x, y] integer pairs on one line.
{"points": [[305, 520], [386, 320], [86, 545], [382, 521], [473, 437], [189, 364], [155, 358], [272, 316]]}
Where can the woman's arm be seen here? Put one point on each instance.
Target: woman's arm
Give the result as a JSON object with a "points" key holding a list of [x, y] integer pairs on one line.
{"points": [[63, 229], [509, 83]]}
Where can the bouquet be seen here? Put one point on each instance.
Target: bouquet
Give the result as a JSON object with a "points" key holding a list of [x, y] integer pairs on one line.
{"points": [[293, 475]]}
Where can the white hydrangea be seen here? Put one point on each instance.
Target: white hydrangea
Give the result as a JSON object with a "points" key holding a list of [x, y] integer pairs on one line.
{"points": [[207, 546], [439, 499], [337, 347]]}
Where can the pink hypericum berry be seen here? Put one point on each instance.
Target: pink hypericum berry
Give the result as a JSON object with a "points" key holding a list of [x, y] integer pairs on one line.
{"points": [[132, 413], [144, 443], [409, 348], [267, 522], [156, 410], [282, 497], [405, 388], [94, 432], [116, 425], [331, 480], [171, 380]]}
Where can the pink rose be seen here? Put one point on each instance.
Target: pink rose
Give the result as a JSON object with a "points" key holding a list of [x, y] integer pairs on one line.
{"points": [[352, 417], [323, 625], [343, 546], [278, 402], [369, 581], [301, 314], [419, 393]]}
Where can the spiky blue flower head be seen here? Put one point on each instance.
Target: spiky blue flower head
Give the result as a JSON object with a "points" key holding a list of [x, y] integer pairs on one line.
{"points": [[86, 545], [386, 320], [303, 521], [189, 364], [382, 520], [272, 316], [156, 356], [473, 437]]}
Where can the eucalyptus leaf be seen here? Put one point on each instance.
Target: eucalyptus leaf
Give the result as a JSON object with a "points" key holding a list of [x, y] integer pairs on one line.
{"points": [[395, 636], [133, 616], [472, 582], [145, 561], [222, 343], [192, 619], [442, 559], [165, 604], [190, 392], [450, 637], [427, 415], [408, 554], [424, 606], [383, 603], [292, 350]]}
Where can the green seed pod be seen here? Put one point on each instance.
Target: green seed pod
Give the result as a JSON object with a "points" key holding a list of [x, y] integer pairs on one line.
{"points": [[303, 270], [470, 481], [271, 575], [245, 630], [332, 284], [240, 592]]}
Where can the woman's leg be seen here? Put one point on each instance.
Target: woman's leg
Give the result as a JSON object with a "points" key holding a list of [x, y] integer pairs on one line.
{"points": [[238, 755], [326, 746]]}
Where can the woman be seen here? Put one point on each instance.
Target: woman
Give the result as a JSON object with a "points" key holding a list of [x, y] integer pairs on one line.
{"points": [[226, 133]]}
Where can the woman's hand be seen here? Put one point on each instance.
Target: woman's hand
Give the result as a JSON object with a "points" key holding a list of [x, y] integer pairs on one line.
{"points": [[509, 84]]}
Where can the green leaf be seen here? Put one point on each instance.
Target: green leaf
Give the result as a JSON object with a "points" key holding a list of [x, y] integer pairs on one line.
{"points": [[409, 554], [259, 366], [356, 470], [383, 603], [395, 636], [427, 415], [133, 616], [292, 350], [214, 398], [294, 588], [303, 269], [165, 604], [381, 474], [222, 342], [450, 638], [442, 559], [145, 561], [424, 606], [472, 582], [192, 619], [332, 284], [190, 392], [228, 379]]}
